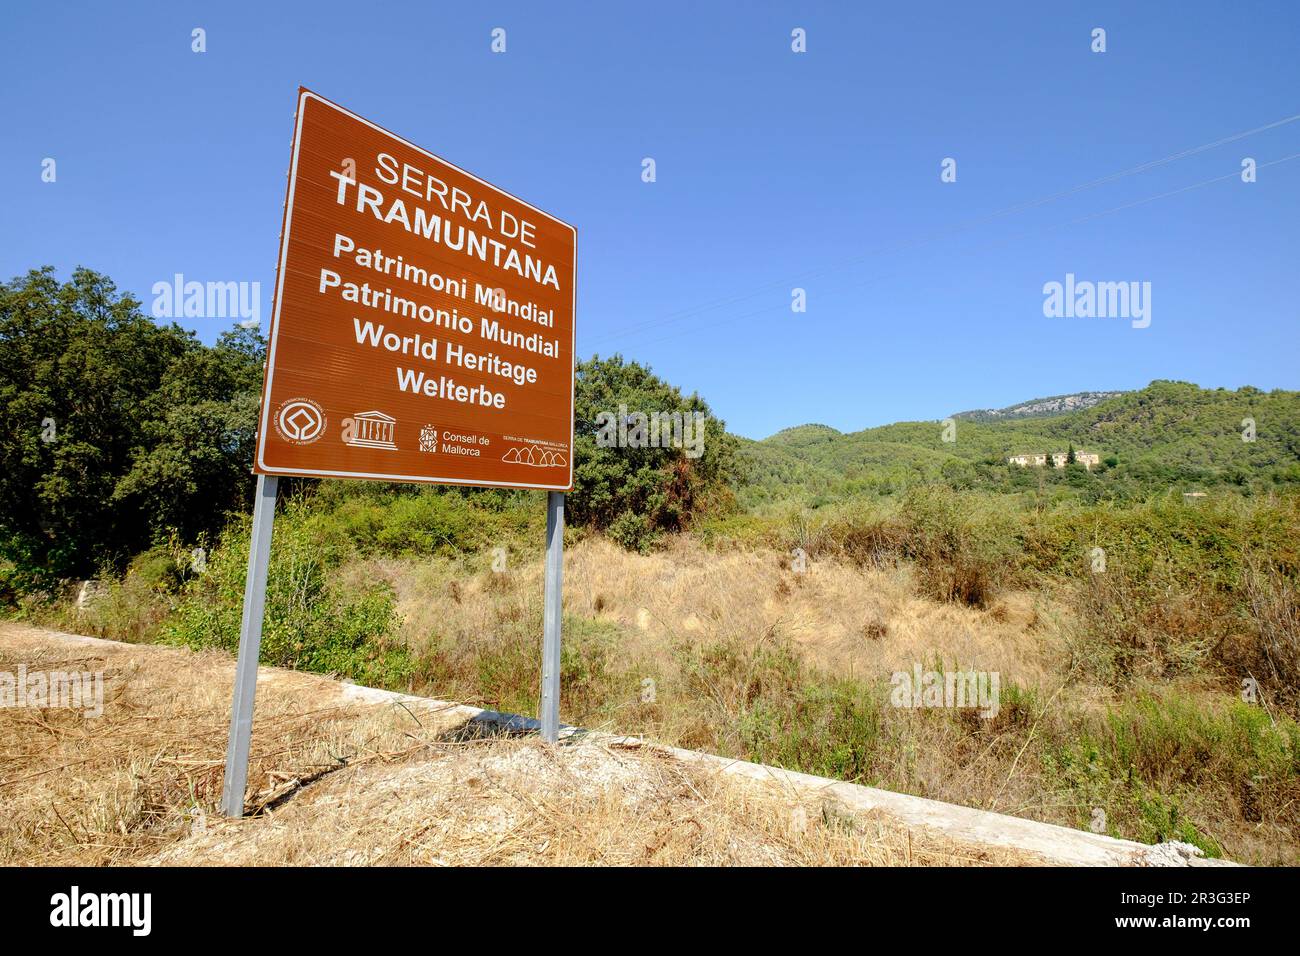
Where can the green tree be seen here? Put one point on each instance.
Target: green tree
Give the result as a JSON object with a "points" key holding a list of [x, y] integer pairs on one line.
{"points": [[113, 429], [199, 432], [654, 488]]}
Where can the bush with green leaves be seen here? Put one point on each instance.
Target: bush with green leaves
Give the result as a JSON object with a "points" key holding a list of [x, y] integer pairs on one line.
{"points": [[663, 488], [313, 620]]}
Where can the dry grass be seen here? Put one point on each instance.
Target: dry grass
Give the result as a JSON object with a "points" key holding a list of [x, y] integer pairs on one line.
{"points": [[100, 790], [338, 782], [714, 628], [847, 620], [515, 802], [864, 622]]}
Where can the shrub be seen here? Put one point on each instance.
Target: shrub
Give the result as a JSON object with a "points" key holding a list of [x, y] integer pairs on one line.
{"points": [[964, 550], [665, 487], [310, 622], [632, 532], [428, 523], [831, 730], [1153, 756]]}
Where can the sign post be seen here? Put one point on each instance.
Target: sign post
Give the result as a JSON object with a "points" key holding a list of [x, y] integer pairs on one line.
{"points": [[422, 331], [552, 615], [250, 646]]}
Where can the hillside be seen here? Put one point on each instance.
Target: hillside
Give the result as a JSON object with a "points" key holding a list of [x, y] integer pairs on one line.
{"points": [[801, 435], [1169, 433], [1039, 407]]}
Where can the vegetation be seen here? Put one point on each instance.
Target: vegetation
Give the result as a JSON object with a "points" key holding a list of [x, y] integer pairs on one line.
{"points": [[638, 492], [1155, 598], [1169, 435], [115, 432], [119, 434]]}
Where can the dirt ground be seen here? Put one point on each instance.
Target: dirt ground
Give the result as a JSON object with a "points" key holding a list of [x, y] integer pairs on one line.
{"points": [[340, 778]]}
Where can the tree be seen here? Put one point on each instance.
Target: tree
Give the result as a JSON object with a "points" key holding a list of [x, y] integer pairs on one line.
{"points": [[1069, 455], [636, 483], [200, 430], [113, 429]]}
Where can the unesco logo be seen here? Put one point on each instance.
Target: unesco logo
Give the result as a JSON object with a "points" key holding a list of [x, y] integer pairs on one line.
{"points": [[300, 421]]}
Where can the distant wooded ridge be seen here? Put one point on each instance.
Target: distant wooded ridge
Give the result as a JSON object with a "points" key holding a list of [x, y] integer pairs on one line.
{"points": [[1167, 434]]}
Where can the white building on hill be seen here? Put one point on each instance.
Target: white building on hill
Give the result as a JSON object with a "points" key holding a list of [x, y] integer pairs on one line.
{"points": [[1085, 458]]}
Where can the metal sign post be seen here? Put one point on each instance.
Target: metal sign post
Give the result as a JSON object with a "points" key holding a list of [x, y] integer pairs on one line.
{"points": [[250, 646], [552, 616]]}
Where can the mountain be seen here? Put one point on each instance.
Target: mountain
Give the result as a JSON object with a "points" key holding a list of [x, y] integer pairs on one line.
{"points": [[1167, 434], [805, 435], [1039, 407]]}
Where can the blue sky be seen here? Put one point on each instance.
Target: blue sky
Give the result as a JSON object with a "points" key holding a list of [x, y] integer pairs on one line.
{"points": [[774, 170]]}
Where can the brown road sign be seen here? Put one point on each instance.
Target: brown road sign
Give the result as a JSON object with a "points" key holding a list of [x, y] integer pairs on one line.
{"points": [[423, 326]]}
